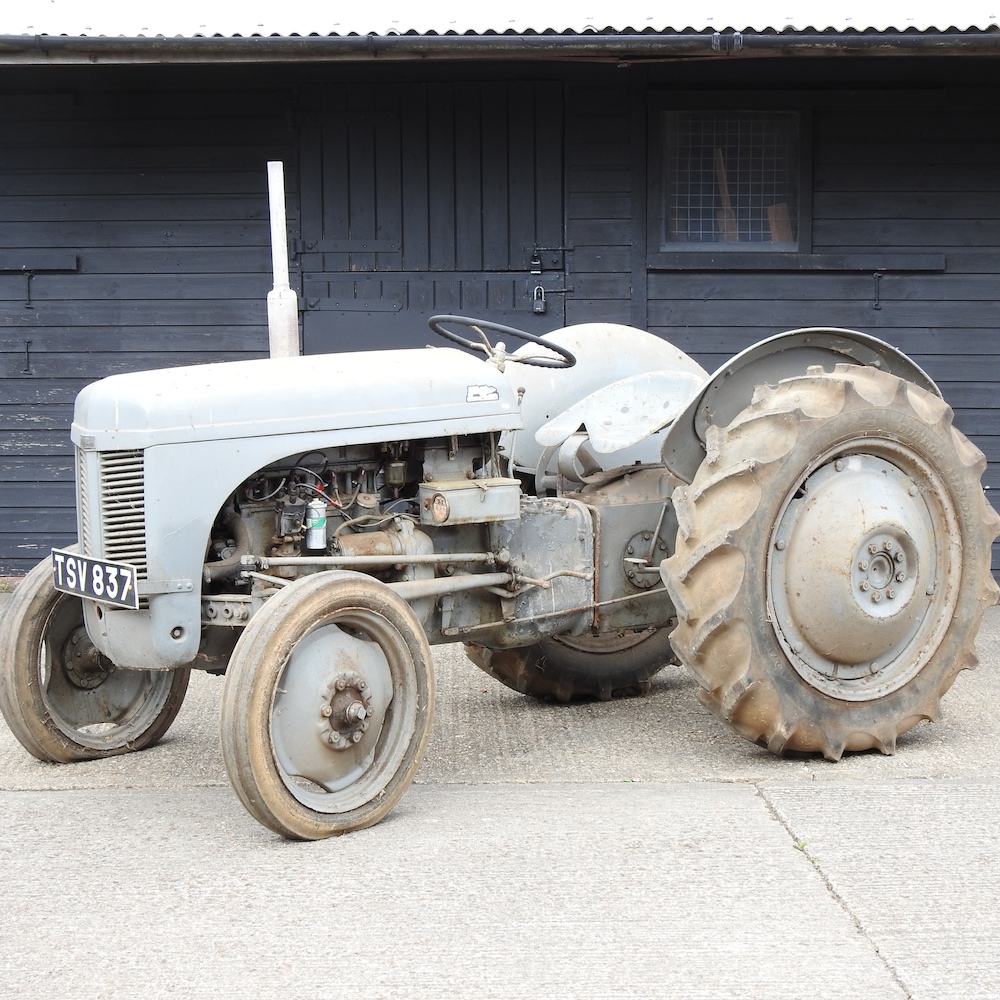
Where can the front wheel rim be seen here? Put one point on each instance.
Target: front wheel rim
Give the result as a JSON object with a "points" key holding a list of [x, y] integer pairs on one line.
{"points": [[90, 701], [344, 712]]}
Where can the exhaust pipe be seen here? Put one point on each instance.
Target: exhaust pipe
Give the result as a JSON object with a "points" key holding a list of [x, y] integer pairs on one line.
{"points": [[282, 302]]}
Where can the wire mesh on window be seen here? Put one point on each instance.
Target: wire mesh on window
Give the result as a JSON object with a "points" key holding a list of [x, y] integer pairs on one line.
{"points": [[731, 179]]}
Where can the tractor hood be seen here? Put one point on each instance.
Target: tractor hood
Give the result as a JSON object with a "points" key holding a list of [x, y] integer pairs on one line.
{"points": [[364, 396]]}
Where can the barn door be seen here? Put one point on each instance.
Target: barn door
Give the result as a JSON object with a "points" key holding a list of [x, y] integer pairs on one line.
{"points": [[430, 198]]}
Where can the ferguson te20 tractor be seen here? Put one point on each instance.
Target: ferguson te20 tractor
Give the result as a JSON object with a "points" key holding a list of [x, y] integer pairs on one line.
{"points": [[804, 530]]}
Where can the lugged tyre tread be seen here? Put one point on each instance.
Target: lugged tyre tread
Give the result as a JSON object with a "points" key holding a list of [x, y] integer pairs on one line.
{"points": [[552, 671], [721, 645]]}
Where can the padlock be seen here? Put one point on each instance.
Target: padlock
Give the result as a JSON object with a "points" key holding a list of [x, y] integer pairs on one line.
{"points": [[538, 300]]}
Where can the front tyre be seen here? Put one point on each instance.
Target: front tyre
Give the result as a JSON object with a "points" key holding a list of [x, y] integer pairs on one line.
{"points": [[62, 699], [327, 706], [832, 563]]}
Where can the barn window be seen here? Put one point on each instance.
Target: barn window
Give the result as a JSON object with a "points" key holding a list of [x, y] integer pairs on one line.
{"points": [[729, 180]]}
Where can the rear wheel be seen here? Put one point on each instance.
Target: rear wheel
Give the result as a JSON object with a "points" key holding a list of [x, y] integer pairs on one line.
{"points": [[64, 700], [327, 706], [832, 563], [566, 668]]}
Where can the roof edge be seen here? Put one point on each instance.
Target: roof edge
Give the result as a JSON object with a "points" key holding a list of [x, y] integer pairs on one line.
{"points": [[590, 47]]}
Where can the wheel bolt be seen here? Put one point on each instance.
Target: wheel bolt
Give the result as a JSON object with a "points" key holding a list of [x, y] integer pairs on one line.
{"points": [[864, 585], [326, 711], [839, 465], [872, 549], [355, 737], [890, 594], [876, 597], [355, 712], [887, 545], [780, 544], [899, 557], [900, 577], [863, 565]]}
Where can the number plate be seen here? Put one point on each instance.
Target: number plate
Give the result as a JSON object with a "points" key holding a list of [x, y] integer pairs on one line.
{"points": [[97, 579]]}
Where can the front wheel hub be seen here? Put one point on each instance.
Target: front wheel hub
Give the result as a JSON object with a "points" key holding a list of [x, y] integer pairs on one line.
{"points": [[85, 667], [347, 706], [854, 570], [330, 707]]}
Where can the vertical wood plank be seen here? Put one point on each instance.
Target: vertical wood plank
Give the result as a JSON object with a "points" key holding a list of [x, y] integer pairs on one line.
{"points": [[549, 165], [311, 187], [526, 174], [496, 178], [471, 120], [474, 297], [416, 199], [447, 295], [361, 187], [441, 176], [388, 188], [640, 164], [335, 179]]}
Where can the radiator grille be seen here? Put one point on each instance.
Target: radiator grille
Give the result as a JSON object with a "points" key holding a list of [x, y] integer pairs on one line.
{"points": [[123, 508], [83, 503]]}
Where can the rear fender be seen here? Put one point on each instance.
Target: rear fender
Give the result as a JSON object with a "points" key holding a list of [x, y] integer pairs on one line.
{"points": [[731, 388], [605, 353]]}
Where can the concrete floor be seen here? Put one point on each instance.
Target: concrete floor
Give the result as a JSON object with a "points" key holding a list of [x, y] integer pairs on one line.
{"points": [[627, 849]]}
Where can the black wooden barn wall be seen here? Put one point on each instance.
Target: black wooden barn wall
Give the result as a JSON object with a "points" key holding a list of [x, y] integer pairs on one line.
{"points": [[133, 234], [429, 198], [133, 225]]}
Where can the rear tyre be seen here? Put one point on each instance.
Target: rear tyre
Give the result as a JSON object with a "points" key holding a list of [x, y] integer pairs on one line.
{"points": [[64, 700], [832, 562], [569, 668], [327, 706]]}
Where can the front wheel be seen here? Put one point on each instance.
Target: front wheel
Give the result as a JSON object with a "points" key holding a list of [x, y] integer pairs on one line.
{"points": [[64, 700], [832, 562], [327, 706]]}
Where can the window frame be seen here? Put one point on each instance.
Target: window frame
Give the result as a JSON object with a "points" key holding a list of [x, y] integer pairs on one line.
{"points": [[720, 255]]}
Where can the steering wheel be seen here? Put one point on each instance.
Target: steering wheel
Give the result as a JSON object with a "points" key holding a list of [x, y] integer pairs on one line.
{"points": [[499, 353]]}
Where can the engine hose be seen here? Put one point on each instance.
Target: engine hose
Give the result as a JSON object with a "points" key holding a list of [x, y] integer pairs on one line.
{"points": [[229, 567]]}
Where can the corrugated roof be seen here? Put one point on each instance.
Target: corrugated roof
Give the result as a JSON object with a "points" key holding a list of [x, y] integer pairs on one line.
{"points": [[194, 18]]}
